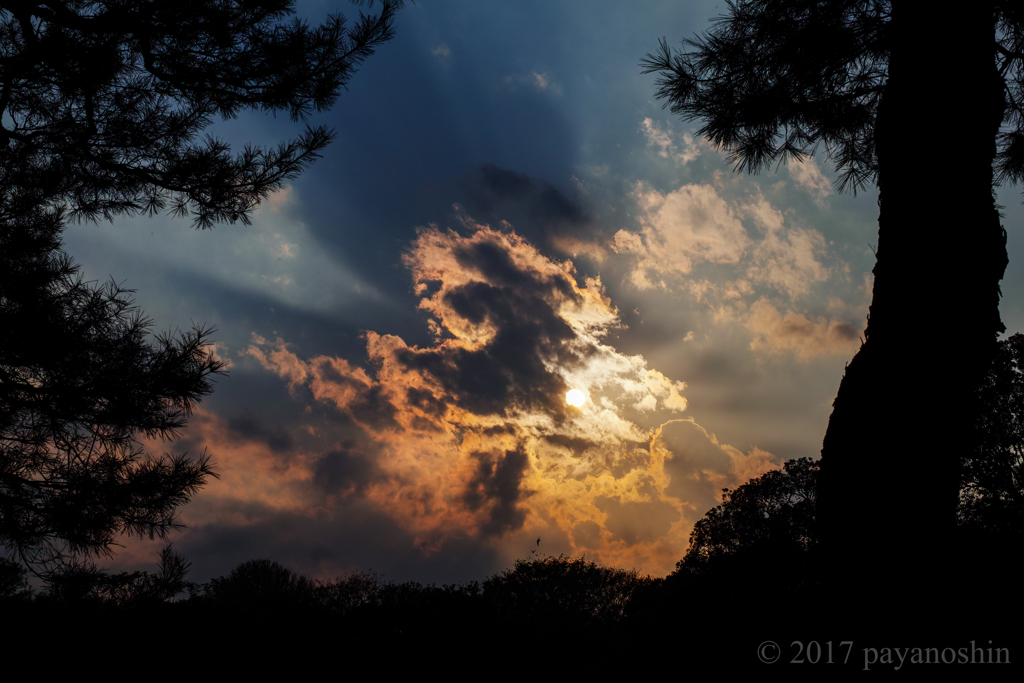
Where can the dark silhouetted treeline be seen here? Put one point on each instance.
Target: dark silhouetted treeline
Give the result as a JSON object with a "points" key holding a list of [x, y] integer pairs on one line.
{"points": [[542, 609], [545, 593], [752, 574], [543, 615]]}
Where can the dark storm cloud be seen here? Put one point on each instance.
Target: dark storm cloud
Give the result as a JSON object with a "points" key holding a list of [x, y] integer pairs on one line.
{"points": [[347, 469], [535, 207], [509, 370], [576, 445], [497, 430], [496, 485], [432, 408], [355, 536], [374, 409], [845, 331], [544, 200], [425, 400], [244, 424], [495, 263]]}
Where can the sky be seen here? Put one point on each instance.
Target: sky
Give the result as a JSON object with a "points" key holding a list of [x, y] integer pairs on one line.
{"points": [[507, 213]]}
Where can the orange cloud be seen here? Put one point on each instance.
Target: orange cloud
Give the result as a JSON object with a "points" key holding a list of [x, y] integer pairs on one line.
{"points": [[471, 436], [695, 224], [796, 333], [679, 229]]}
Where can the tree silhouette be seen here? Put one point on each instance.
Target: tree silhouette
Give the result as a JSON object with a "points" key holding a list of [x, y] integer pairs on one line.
{"points": [[992, 489], [779, 507], [262, 588], [13, 581], [79, 382], [78, 583], [776, 78], [562, 594], [101, 103], [775, 510]]}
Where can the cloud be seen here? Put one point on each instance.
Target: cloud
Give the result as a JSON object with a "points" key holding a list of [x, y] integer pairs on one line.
{"points": [[285, 249], [669, 148], [734, 256], [788, 260], [678, 229], [536, 79], [776, 332], [277, 201], [694, 224], [349, 468], [441, 52], [809, 177], [219, 351], [247, 426], [277, 259], [540, 210], [253, 467], [496, 486], [470, 437]]}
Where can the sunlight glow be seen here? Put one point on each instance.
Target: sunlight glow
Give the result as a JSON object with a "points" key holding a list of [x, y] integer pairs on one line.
{"points": [[575, 397]]}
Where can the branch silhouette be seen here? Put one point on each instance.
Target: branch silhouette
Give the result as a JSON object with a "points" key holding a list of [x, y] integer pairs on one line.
{"points": [[101, 106]]}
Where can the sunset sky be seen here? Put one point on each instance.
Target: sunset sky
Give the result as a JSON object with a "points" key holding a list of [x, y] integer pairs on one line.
{"points": [[507, 213]]}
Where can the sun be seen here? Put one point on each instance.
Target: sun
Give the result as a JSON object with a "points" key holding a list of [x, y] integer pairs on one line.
{"points": [[575, 398]]}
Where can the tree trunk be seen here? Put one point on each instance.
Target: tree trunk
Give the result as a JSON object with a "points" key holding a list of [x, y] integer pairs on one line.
{"points": [[904, 412]]}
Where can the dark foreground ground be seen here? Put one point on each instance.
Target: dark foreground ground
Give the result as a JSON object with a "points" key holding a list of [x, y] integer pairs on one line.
{"points": [[548, 617]]}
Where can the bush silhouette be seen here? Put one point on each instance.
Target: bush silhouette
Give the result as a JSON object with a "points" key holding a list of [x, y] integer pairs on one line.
{"points": [[563, 591], [261, 588], [13, 581], [349, 593], [80, 584]]}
